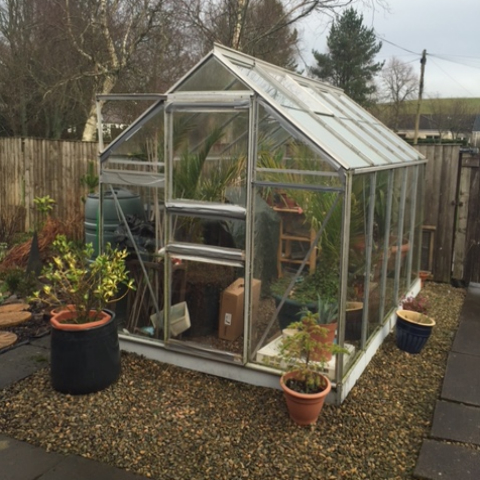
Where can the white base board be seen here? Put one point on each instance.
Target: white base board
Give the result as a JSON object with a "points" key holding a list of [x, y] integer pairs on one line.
{"points": [[269, 355]]}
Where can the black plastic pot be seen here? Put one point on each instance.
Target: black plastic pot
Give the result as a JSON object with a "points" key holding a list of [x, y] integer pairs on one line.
{"points": [[290, 311], [85, 361], [353, 321]]}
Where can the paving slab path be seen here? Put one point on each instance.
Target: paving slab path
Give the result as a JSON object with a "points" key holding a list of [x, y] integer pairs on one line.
{"points": [[457, 412]]}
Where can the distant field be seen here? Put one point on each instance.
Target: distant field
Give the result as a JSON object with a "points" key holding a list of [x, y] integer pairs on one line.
{"points": [[426, 104]]}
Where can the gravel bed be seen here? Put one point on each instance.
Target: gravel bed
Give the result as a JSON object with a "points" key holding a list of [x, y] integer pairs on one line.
{"points": [[164, 422]]}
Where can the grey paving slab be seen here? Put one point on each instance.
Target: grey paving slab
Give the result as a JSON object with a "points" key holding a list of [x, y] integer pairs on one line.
{"points": [[455, 421], [462, 379], [21, 461], [467, 339], [78, 468], [21, 362], [471, 306], [444, 461], [43, 342]]}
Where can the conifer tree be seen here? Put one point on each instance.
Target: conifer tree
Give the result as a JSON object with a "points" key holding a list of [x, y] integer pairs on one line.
{"points": [[350, 61]]}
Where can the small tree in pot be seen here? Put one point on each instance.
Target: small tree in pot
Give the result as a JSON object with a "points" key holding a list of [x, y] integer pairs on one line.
{"points": [[304, 385], [85, 353]]}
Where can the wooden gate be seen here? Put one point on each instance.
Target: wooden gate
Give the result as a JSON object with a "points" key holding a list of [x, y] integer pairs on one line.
{"points": [[466, 255], [452, 213]]}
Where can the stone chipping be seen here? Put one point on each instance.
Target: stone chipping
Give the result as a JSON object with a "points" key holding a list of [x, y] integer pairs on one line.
{"points": [[165, 423]]}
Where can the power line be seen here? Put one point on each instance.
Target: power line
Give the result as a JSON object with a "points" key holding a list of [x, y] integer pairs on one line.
{"points": [[448, 75], [383, 39], [445, 58]]}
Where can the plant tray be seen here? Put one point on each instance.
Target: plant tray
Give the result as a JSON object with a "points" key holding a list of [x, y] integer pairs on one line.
{"points": [[268, 355], [179, 319]]}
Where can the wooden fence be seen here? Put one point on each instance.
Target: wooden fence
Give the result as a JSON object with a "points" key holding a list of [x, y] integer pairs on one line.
{"points": [[32, 168]]}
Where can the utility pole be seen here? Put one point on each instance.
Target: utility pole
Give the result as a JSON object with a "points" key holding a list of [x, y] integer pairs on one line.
{"points": [[423, 61]]}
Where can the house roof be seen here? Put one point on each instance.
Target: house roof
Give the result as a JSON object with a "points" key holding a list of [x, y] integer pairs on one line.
{"points": [[343, 130]]}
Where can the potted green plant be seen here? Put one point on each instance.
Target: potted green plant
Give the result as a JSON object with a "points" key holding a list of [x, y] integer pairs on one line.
{"points": [[304, 384], [323, 283], [85, 353]]}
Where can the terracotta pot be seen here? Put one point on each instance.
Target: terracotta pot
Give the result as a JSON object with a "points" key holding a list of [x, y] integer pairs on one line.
{"points": [[56, 310], [62, 320], [303, 408], [325, 354], [424, 275]]}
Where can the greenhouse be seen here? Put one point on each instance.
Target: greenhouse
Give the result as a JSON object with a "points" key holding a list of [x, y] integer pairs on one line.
{"points": [[246, 194]]}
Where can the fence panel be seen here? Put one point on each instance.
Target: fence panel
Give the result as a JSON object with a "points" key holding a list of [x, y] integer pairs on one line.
{"points": [[32, 168], [440, 200]]}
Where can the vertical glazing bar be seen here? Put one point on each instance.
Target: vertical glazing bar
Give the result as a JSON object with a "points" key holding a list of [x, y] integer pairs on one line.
{"points": [[411, 238], [167, 232], [386, 246], [100, 183], [368, 261], [401, 218], [249, 225], [347, 199]]}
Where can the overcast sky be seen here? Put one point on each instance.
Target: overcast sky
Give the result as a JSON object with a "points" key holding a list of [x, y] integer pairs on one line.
{"points": [[448, 30]]}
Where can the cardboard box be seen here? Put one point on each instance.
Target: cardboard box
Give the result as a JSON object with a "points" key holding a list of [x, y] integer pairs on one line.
{"points": [[230, 324]]}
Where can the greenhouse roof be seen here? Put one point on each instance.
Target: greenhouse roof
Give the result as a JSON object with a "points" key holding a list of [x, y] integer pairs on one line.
{"points": [[343, 130]]}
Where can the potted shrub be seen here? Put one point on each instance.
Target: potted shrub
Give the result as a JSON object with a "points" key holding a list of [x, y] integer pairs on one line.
{"points": [[85, 353], [304, 385], [413, 327]]}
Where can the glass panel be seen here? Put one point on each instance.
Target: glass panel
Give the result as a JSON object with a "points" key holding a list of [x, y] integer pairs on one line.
{"points": [[211, 76], [292, 266], [210, 152], [381, 236], [278, 149], [418, 247], [216, 232], [333, 144], [309, 101], [408, 225], [265, 84], [215, 321], [396, 244], [357, 259], [145, 145], [117, 115]]}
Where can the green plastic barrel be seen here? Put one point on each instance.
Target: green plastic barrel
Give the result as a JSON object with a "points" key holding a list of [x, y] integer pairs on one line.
{"points": [[130, 203]]}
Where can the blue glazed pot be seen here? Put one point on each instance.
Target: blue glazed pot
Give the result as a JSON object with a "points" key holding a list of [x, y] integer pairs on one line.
{"points": [[413, 330]]}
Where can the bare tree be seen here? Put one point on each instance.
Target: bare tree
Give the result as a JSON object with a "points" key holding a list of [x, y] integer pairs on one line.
{"points": [[462, 117], [452, 116], [107, 34], [399, 83], [263, 28]]}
